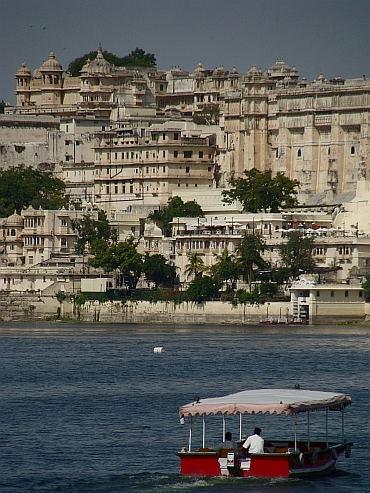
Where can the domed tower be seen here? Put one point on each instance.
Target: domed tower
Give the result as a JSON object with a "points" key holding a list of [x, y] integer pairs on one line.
{"points": [[52, 81], [23, 78], [14, 240]]}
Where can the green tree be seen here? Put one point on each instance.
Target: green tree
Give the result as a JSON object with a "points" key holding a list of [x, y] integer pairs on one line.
{"points": [[296, 253], [249, 253], [24, 186], [89, 229], [210, 115], [137, 58], [366, 288], [195, 267], [202, 289], [260, 192], [157, 269], [121, 256], [2, 106], [176, 207], [225, 268]]}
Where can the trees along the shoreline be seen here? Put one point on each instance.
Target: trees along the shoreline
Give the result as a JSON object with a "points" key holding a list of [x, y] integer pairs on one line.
{"points": [[122, 257], [195, 267], [296, 255], [225, 269], [249, 256], [260, 192], [89, 229], [157, 269]]}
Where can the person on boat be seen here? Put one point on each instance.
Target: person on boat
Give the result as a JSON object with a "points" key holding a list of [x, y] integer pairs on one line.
{"points": [[254, 444], [227, 444]]}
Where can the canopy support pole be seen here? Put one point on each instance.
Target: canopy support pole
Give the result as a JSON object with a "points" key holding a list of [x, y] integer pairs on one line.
{"points": [[326, 427], [204, 431], [223, 427], [190, 432], [308, 430], [342, 423], [295, 432], [240, 425]]}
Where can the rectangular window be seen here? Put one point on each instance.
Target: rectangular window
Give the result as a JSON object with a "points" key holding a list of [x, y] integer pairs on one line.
{"points": [[164, 136], [175, 153], [107, 188], [123, 155], [187, 169], [200, 154], [360, 294], [164, 153], [115, 155], [188, 154], [332, 294], [164, 169], [346, 294], [175, 136], [115, 188], [317, 294], [123, 188], [64, 222]]}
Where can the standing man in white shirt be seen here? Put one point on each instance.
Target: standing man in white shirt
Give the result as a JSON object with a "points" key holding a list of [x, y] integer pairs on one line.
{"points": [[254, 444]]}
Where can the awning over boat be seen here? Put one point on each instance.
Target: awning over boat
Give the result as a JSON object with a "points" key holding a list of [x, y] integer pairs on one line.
{"points": [[288, 401]]}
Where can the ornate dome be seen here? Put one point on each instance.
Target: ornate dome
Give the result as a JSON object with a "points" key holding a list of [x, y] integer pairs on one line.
{"points": [[37, 74], [51, 63], [23, 70], [234, 72], [219, 72], [86, 66], [14, 220], [100, 64], [199, 72]]}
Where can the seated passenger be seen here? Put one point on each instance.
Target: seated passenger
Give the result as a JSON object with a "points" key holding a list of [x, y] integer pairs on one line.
{"points": [[254, 444], [227, 444]]}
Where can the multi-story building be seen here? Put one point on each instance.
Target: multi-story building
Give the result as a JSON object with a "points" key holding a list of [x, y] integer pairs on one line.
{"points": [[316, 132], [146, 166]]}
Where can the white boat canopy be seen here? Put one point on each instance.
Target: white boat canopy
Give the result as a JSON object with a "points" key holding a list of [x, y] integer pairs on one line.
{"points": [[288, 401]]}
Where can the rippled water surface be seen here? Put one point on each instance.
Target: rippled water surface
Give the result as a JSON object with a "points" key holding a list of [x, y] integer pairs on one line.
{"points": [[91, 408]]}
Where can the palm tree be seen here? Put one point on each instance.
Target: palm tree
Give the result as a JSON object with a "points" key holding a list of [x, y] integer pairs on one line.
{"points": [[195, 266], [225, 267], [249, 253]]}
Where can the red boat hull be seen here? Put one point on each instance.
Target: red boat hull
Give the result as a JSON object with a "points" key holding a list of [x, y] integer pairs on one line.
{"points": [[319, 461]]}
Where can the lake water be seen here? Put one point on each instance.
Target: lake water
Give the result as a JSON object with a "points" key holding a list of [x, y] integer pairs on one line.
{"points": [[91, 408]]}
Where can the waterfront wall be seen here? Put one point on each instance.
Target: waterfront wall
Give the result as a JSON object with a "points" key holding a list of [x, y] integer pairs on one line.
{"points": [[30, 306]]}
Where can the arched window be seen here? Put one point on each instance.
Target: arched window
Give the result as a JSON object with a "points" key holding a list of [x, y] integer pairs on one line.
{"points": [[299, 153]]}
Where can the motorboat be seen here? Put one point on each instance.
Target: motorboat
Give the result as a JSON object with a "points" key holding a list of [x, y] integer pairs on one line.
{"points": [[287, 458]]}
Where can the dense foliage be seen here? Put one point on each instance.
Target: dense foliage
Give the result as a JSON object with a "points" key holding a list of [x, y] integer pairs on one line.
{"points": [[89, 229], [157, 269], [250, 252], [261, 192], [137, 58], [366, 287], [24, 186], [296, 254], [122, 257], [210, 115], [176, 207], [202, 289]]}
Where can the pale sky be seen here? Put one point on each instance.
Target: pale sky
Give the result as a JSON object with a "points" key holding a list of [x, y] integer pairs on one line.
{"points": [[328, 36]]}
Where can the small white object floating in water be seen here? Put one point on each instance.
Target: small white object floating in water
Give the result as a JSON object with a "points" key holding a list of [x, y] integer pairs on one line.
{"points": [[159, 349]]}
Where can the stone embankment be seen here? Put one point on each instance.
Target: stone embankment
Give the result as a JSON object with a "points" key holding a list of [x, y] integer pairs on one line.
{"points": [[32, 307]]}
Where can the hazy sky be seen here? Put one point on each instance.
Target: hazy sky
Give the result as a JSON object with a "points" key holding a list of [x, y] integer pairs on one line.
{"points": [[329, 36]]}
